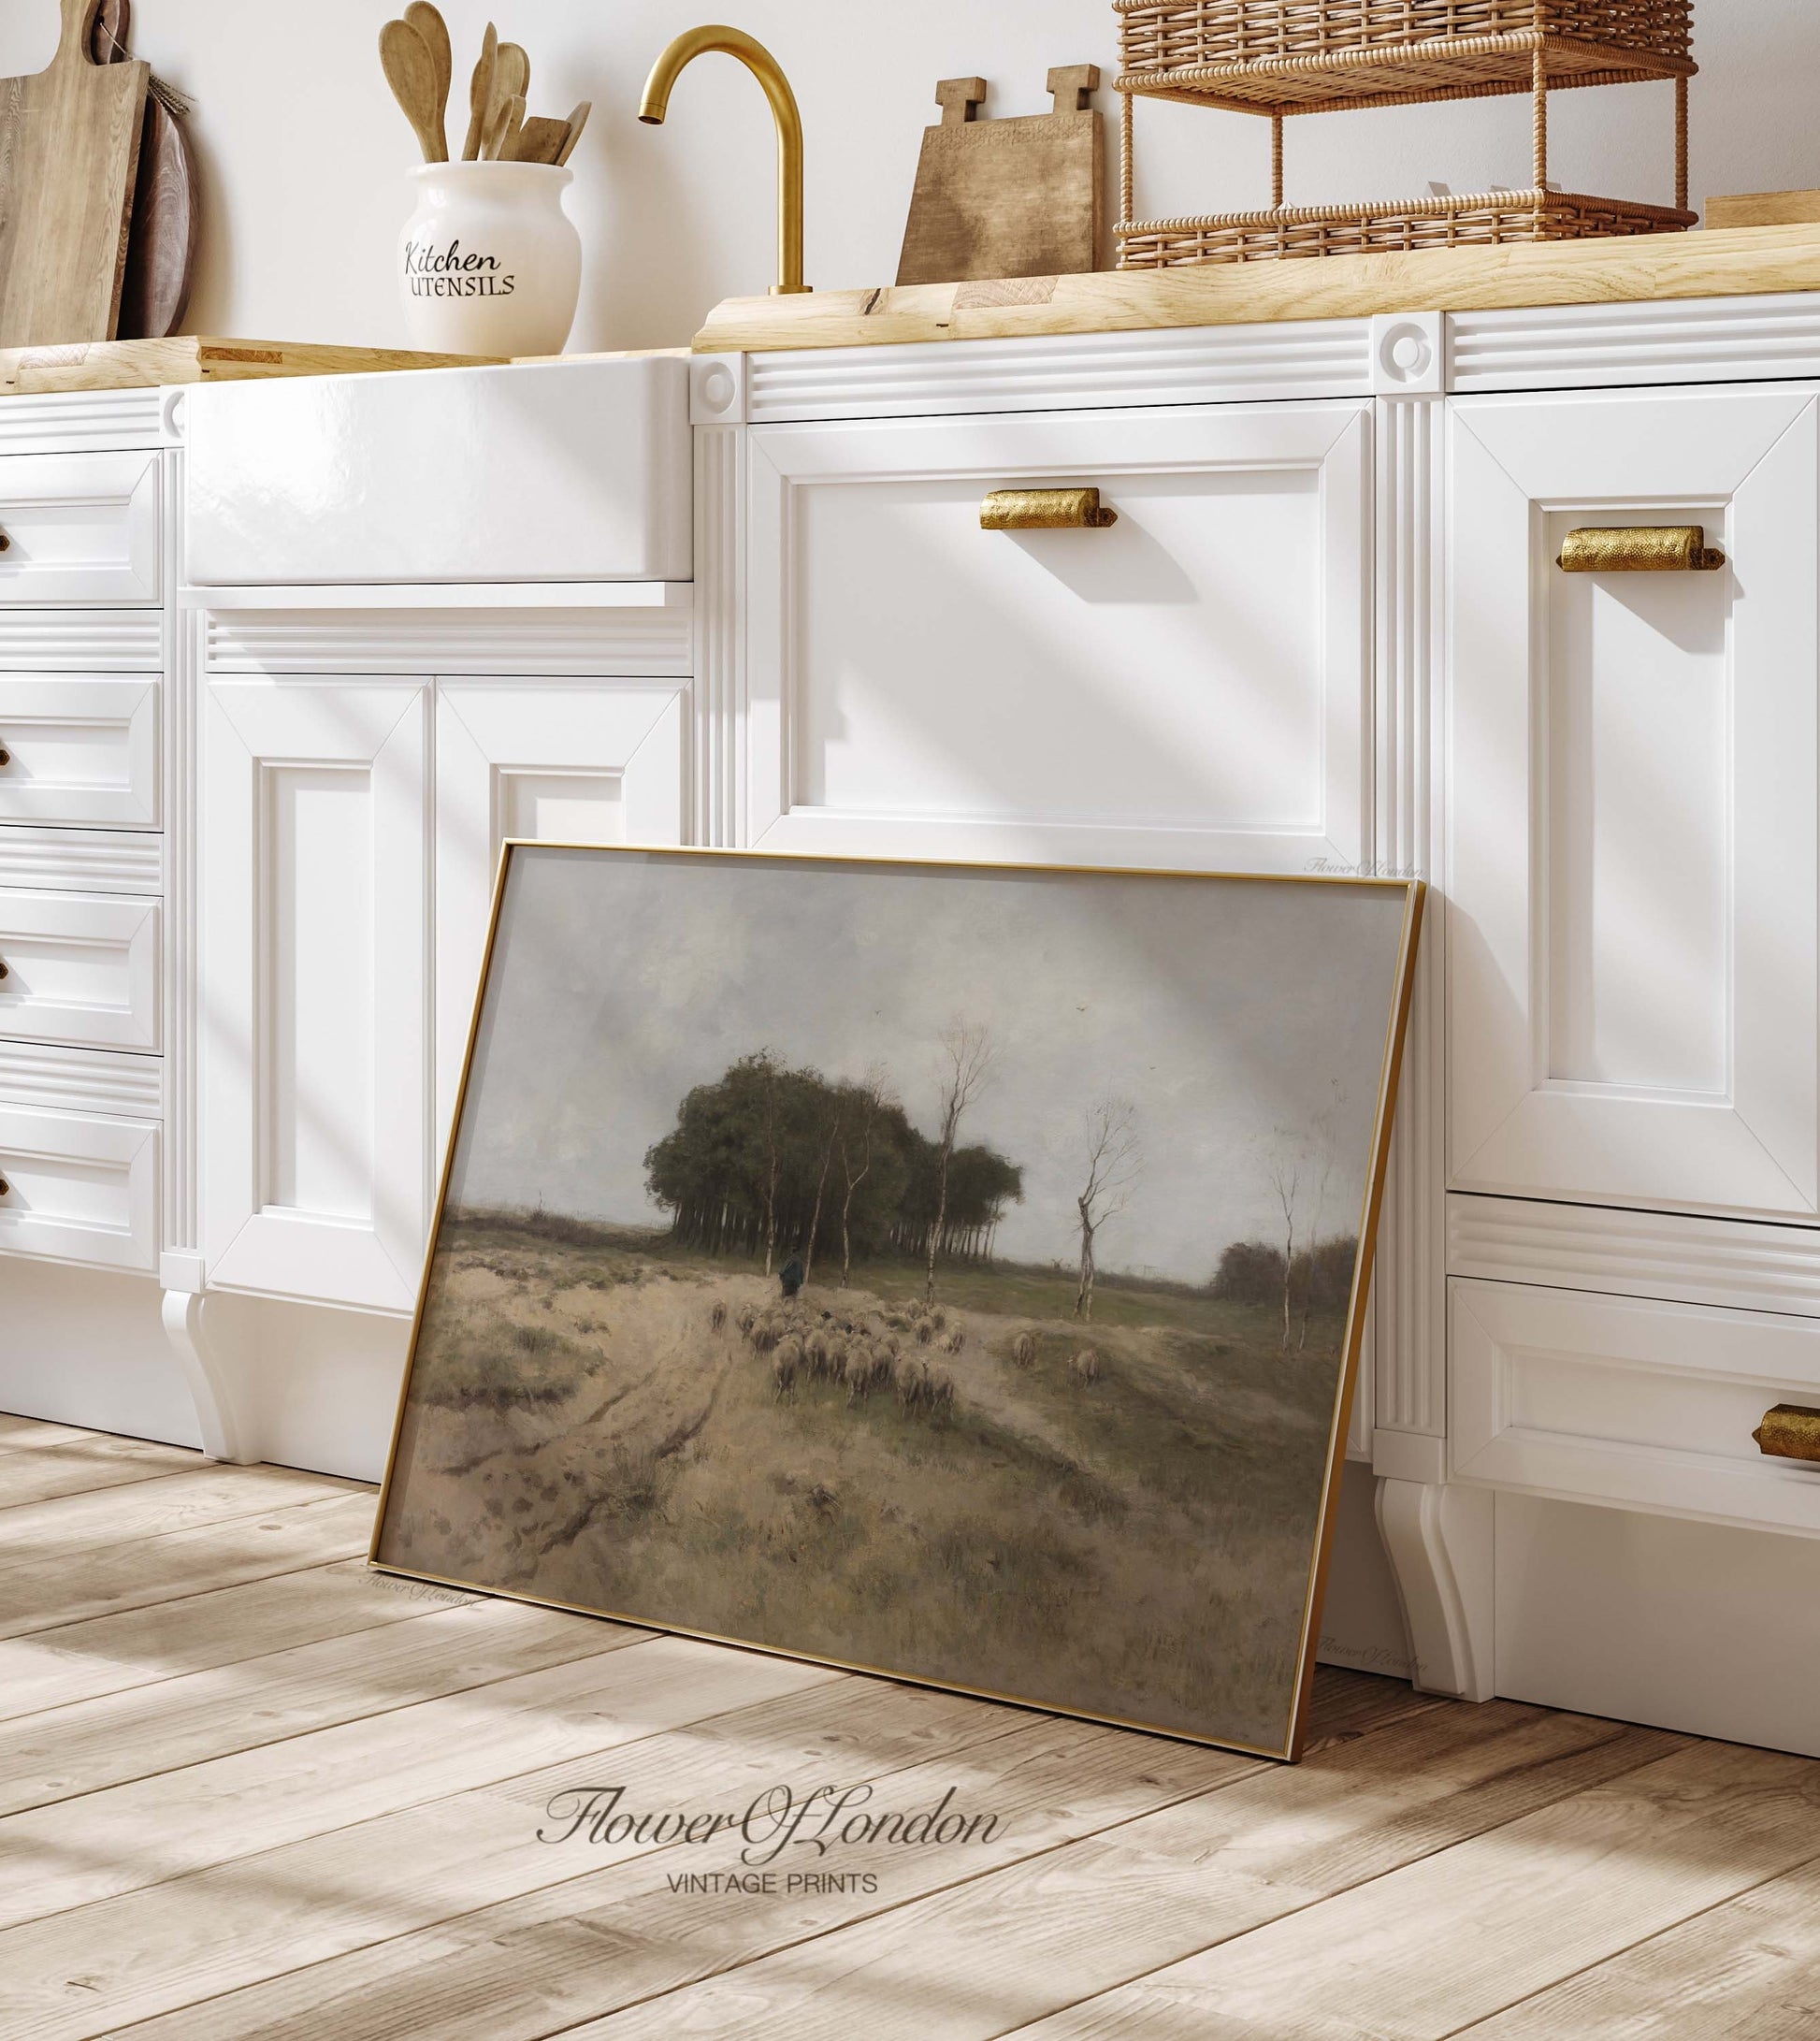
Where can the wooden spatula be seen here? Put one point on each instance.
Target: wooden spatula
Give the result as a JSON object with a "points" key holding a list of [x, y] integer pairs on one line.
{"points": [[430, 25], [577, 120], [540, 140], [69, 158], [411, 72], [480, 95]]}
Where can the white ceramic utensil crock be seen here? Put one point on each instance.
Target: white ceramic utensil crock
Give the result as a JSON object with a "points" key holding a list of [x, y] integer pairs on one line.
{"points": [[490, 261]]}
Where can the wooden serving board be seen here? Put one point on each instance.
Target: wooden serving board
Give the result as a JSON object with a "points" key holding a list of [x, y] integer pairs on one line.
{"points": [[1008, 198], [69, 155]]}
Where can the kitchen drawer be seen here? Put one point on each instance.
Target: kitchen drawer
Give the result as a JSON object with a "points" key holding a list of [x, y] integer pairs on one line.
{"points": [[1188, 686], [1629, 1401], [82, 751], [79, 1188], [80, 527], [577, 472], [80, 968]]}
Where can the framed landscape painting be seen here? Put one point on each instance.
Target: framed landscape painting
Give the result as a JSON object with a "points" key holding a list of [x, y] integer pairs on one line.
{"points": [[947, 1271]]}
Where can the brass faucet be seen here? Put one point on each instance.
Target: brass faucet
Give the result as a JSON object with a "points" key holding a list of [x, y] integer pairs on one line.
{"points": [[734, 42]]}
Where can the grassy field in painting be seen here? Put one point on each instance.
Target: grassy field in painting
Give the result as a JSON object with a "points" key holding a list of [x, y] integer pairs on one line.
{"points": [[589, 1423]]}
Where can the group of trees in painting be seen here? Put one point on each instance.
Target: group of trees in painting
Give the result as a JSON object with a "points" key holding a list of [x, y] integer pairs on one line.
{"points": [[773, 1161]]}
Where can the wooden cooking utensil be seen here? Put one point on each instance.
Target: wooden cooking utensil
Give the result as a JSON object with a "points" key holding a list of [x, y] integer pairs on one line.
{"points": [[430, 25], [540, 140], [577, 120], [411, 72], [511, 75], [503, 136], [480, 95], [69, 156]]}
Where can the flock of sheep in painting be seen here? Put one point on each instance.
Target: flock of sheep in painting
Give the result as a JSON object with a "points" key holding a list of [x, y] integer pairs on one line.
{"points": [[888, 1355]]}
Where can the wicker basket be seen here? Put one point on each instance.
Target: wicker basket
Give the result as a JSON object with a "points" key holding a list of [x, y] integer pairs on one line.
{"points": [[1283, 57], [1256, 56], [1482, 221]]}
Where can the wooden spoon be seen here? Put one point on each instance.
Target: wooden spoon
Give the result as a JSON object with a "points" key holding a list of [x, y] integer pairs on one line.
{"points": [[512, 78], [577, 120], [503, 139], [411, 72], [430, 25], [480, 95]]}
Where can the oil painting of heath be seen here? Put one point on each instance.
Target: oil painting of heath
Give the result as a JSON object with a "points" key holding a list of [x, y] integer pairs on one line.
{"points": [[941, 1270]]}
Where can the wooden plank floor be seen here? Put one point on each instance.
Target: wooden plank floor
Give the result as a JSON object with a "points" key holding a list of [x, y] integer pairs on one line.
{"points": [[249, 1788]]}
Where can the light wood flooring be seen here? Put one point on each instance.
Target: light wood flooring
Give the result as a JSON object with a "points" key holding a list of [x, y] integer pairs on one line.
{"points": [[248, 1788]]}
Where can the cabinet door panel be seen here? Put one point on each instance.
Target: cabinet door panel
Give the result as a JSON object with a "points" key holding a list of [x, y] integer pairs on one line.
{"points": [[1634, 843], [1188, 686], [315, 990], [588, 762]]}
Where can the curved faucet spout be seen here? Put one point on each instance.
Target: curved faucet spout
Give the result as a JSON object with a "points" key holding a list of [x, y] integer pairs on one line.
{"points": [[735, 42]]}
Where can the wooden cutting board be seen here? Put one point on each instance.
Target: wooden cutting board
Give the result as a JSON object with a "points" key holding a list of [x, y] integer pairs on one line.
{"points": [[163, 241], [1008, 198], [69, 154]]}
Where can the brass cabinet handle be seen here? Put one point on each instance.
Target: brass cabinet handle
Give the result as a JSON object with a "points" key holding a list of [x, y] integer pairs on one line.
{"points": [[1045, 510], [6, 544], [6, 970], [1640, 549], [1789, 1432], [6, 758], [5, 1188]]}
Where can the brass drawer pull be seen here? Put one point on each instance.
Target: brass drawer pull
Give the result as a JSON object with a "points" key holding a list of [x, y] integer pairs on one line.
{"points": [[1790, 1432], [6, 969], [1045, 510], [6, 544], [6, 758], [5, 1188], [1640, 549]]}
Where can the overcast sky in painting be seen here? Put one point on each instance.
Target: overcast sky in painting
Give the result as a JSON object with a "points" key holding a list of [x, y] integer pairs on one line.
{"points": [[1243, 1023]]}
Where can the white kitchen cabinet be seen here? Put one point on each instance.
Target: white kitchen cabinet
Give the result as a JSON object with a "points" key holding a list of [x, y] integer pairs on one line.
{"points": [[80, 527], [314, 988], [580, 761], [1189, 685], [1633, 874]]}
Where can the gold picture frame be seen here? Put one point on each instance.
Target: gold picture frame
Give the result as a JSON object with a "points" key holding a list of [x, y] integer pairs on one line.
{"points": [[1390, 952]]}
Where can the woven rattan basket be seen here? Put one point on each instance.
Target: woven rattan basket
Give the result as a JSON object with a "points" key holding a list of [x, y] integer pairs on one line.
{"points": [[1280, 57]]}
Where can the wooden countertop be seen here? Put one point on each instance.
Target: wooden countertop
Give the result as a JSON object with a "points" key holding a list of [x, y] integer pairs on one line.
{"points": [[147, 365], [1738, 263]]}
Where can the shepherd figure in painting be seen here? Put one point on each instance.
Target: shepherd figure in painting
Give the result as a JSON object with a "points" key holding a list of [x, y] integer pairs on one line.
{"points": [[791, 1275]]}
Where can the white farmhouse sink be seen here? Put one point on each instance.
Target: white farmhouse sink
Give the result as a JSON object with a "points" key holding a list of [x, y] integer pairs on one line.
{"points": [[561, 471]]}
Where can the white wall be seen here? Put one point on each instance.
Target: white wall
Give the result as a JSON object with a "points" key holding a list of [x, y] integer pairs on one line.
{"points": [[304, 152]]}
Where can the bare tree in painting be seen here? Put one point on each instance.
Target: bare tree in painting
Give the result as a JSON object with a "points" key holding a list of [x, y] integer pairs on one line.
{"points": [[1114, 1158], [869, 1098], [767, 1067], [1286, 1180], [837, 1115], [1326, 1139], [966, 1063]]}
